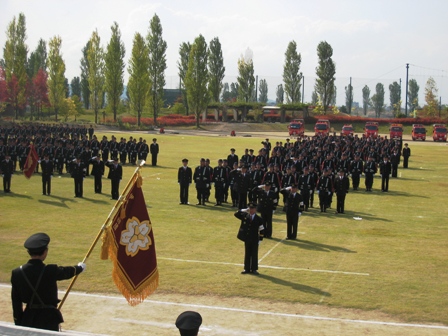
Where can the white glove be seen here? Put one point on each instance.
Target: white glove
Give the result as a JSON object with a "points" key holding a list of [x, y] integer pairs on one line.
{"points": [[329, 193], [261, 186], [51, 176], [245, 210], [83, 265], [273, 211], [301, 203], [317, 192], [300, 214], [288, 188], [38, 161]]}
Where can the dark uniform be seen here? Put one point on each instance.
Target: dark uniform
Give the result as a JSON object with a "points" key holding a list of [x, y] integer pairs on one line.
{"points": [[115, 175], [325, 188], [294, 208], [243, 185], [184, 178], [341, 186], [7, 169], [219, 178], [201, 178], [47, 174], [306, 184], [385, 170], [154, 149], [35, 284], [251, 232], [267, 204], [356, 169], [97, 172], [370, 170], [406, 155], [78, 172]]}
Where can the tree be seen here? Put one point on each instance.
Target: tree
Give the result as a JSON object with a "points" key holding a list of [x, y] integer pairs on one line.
{"points": [[365, 98], [263, 91], [291, 75], [68, 108], [67, 88], [75, 85], [216, 69], [85, 76], [182, 65], [246, 79], [280, 94], [431, 93], [314, 98], [15, 63], [395, 97], [234, 89], [114, 69], [157, 64], [40, 91], [334, 96], [378, 99], [95, 56], [139, 82], [325, 72], [413, 95], [38, 59], [196, 80], [56, 75], [349, 98]]}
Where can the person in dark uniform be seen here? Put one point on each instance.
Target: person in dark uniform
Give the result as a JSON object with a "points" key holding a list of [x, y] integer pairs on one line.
{"points": [[232, 157], [202, 181], [35, 284], [251, 232], [154, 150], [184, 178], [115, 175], [47, 168], [294, 208], [324, 188], [7, 169], [97, 172], [370, 169], [395, 161], [78, 172], [188, 323], [91, 131], [356, 169], [219, 178], [341, 187], [385, 170], [243, 183], [306, 184], [406, 154], [267, 204]]}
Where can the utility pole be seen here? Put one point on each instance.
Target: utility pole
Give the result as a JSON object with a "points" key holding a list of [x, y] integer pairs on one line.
{"points": [[303, 87], [407, 82]]}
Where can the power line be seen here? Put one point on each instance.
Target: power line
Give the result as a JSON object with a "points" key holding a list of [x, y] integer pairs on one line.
{"points": [[426, 68]]}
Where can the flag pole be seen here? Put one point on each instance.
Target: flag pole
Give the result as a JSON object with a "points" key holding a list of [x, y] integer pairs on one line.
{"points": [[103, 227]]}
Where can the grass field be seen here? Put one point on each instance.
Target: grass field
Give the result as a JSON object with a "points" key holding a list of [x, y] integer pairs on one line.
{"points": [[394, 260]]}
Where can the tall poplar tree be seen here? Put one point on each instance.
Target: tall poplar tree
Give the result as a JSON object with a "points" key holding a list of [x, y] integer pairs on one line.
{"points": [[413, 95], [182, 65], [114, 69], [139, 82], [263, 91], [15, 55], [75, 85], [325, 72], [395, 97], [85, 76], [95, 56], [196, 80], [56, 75], [216, 69], [378, 99], [246, 78], [157, 64], [349, 98], [292, 77], [365, 98], [38, 59], [280, 94]]}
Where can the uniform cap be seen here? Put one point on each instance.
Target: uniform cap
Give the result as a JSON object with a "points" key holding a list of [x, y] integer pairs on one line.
{"points": [[251, 150], [184, 160], [294, 186], [232, 149], [188, 323], [37, 243], [154, 139], [267, 183], [252, 205]]}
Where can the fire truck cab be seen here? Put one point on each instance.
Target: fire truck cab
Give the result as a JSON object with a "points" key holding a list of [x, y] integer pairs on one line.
{"points": [[418, 132], [347, 130], [322, 127], [371, 129], [396, 131], [439, 132], [297, 127]]}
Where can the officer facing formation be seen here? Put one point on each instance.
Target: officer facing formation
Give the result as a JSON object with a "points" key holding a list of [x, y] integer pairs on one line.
{"points": [[267, 204], [35, 284], [406, 155], [294, 208], [7, 169], [47, 174], [184, 178]]}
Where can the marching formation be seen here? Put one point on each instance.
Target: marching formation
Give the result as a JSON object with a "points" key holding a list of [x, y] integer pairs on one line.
{"points": [[72, 150]]}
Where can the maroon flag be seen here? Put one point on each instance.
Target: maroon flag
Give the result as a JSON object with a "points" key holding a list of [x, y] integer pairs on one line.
{"points": [[31, 162], [129, 242]]}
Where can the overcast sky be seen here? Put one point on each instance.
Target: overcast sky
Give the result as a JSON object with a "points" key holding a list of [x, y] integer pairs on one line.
{"points": [[372, 40]]}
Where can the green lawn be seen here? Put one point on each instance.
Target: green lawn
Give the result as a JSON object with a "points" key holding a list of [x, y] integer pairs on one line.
{"points": [[393, 260]]}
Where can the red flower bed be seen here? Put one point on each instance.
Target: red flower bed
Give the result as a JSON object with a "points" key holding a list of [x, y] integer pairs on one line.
{"points": [[168, 120]]}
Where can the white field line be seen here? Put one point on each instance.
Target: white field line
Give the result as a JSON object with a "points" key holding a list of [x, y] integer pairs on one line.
{"points": [[260, 312], [263, 266], [269, 252]]}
